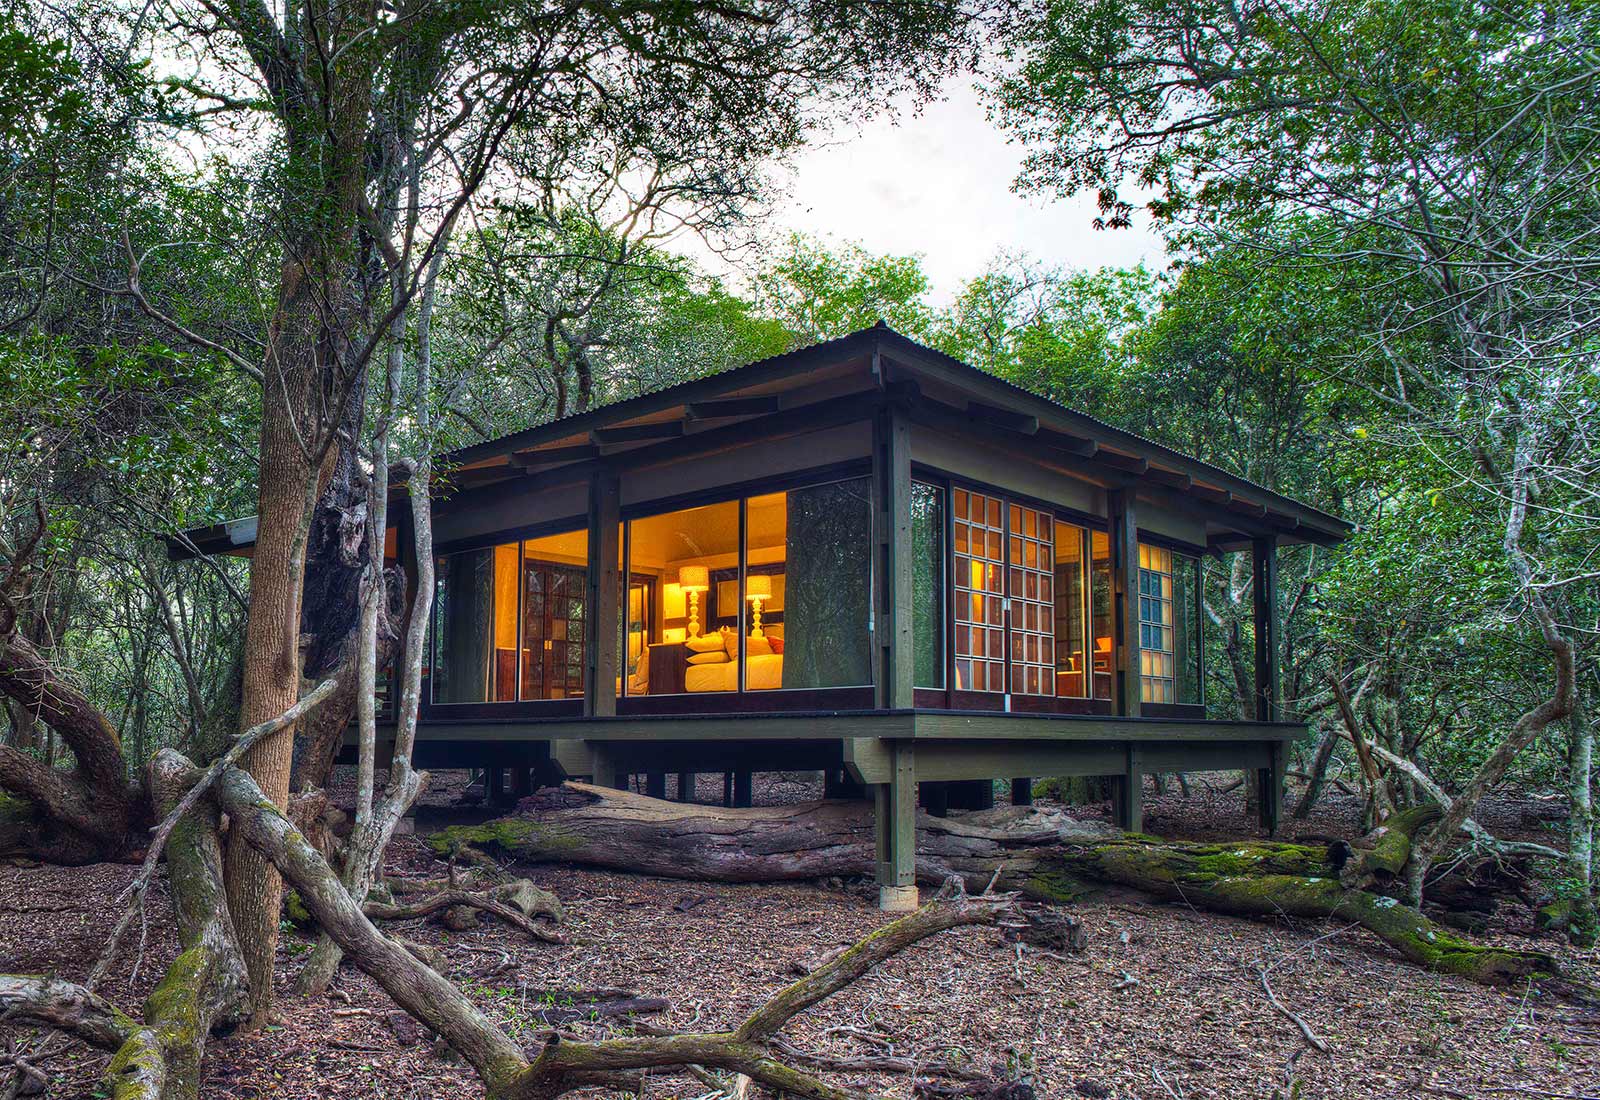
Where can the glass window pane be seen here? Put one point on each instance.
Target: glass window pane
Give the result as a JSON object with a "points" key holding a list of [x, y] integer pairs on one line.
{"points": [[816, 543], [1186, 617], [462, 618], [686, 563], [555, 571], [1100, 613], [927, 583]]}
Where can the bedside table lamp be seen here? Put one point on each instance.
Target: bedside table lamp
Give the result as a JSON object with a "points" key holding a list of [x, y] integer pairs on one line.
{"points": [[694, 579], [757, 589]]}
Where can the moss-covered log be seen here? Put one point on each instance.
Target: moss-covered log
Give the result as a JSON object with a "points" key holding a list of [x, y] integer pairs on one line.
{"points": [[1042, 854]]}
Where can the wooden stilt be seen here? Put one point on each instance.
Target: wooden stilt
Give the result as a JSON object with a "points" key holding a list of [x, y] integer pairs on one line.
{"points": [[1022, 792], [686, 786], [743, 788], [655, 784], [895, 803]]}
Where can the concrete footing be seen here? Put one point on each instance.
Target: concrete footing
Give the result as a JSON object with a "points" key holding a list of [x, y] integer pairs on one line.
{"points": [[897, 899]]}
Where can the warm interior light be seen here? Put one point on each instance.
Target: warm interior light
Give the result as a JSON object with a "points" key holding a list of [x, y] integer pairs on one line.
{"points": [[694, 579], [758, 586]]}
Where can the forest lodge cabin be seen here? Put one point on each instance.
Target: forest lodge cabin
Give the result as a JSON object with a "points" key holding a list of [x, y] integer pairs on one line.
{"points": [[863, 557]]}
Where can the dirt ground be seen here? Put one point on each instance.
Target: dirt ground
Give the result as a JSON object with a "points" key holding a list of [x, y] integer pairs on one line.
{"points": [[1165, 1003]]}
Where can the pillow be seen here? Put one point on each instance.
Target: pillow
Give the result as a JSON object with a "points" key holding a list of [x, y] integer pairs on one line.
{"points": [[776, 645], [757, 647], [712, 657], [730, 643], [705, 643]]}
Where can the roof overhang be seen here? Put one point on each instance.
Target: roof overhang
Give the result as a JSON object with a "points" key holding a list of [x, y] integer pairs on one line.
{"points": [[847, 379]]}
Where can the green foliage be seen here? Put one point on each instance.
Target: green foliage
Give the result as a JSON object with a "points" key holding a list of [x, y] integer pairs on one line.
{"points": [[819, 293]]}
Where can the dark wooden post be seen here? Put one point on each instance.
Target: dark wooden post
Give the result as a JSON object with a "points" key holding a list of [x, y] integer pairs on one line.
{"points": [[1270, 780], [1128, 797], [895, 806], [1022, 792], [1268, 706], [655, 784], [1125, 599], [1264, 575], [744, 788], [604, 580], [686, 786], [494, 785], [891, 477]]}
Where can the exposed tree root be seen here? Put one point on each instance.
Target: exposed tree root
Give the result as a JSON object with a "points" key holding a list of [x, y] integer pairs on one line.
{"points": [[561, 1066], [449, 899]]}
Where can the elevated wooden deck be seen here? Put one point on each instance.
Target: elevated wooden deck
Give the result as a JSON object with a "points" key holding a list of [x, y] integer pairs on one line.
{"points": [[884, 750]]}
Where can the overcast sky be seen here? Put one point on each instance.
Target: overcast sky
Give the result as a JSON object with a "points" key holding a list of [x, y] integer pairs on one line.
{"points": [[939, 184]]}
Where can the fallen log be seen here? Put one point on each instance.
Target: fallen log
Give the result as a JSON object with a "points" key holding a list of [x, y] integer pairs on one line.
{"points": [[1041, 854]]}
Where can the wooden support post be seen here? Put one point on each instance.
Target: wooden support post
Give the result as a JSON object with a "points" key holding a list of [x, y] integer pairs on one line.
{"points": [[1022, 792], [494, 785], [1270, 779], [744, 788], [1129, 796], [655, 785], [686, 786], [935, 798], [1264, 582], [1125, 599], [521, 781], [603, 587], [895, 803], [893, 642], [727, 788]]}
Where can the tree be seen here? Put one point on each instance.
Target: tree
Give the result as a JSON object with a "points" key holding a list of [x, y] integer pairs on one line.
{"points": [[1440, 156]]}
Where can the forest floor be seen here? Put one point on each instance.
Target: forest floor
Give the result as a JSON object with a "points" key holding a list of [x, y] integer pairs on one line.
{"points": [[1165, 1003]]}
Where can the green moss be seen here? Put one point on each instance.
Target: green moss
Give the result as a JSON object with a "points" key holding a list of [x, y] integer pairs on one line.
{"points": [[511, 834], [294, 907], [1054, 886]]}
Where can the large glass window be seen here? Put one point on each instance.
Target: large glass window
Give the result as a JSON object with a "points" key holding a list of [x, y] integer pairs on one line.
{"points": [[1071, 611], [801, 618], [1157, 663], [927, 584], [979, 576], [1100, 600], [1030, 559], [1186, 616], [810, 555], [686, 563], [510, 621], [555, 615]]}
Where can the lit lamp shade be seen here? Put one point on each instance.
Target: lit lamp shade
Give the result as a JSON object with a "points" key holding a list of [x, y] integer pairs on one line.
{"points": [[758, 586], [694, 578]]}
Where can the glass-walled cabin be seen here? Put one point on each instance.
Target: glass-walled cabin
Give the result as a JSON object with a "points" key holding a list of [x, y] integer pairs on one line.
{"points": [[763, 600]]}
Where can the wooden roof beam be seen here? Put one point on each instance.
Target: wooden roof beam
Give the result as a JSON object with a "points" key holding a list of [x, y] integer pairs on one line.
{"points": [[1011, 421], [1171, 479], [1126, 463], [635, 433], [1071, 444], [732, 407], [554, 456]]}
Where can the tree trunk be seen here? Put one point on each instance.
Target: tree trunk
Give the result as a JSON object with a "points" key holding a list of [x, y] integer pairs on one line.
{"points": [[1582, 924], [1046, 856]]}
